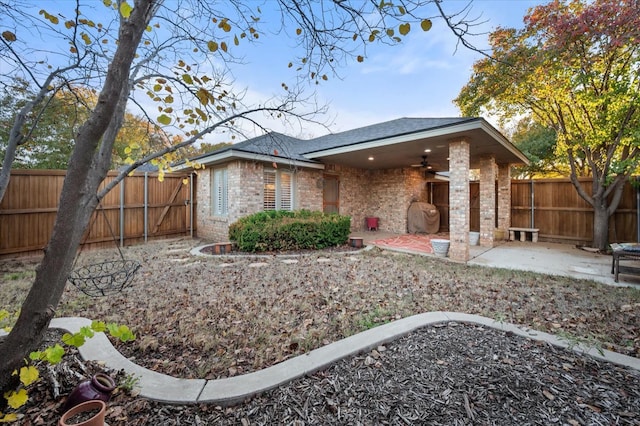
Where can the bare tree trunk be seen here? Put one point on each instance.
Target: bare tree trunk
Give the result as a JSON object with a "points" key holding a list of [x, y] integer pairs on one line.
{"points": [[600, 225], [87, 168]]}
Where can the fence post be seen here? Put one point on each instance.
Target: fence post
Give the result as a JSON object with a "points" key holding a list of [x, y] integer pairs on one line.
{"points": [[146, 206], [122, 212], [533, 199]]}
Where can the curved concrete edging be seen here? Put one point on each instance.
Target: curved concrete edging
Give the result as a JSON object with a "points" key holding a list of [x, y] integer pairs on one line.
{"points": [[196, 251], [161, 387]]}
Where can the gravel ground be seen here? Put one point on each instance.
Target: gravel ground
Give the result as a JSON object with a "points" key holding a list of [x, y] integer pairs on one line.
{"points": [[213, 317]]}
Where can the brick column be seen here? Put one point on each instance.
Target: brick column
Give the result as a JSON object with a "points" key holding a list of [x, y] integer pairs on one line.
{"points": [[504, 198], [487, 199], [459, 199]]}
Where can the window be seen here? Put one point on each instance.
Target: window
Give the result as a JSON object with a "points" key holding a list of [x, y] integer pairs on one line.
{"points": [[278, 190], [219, 191]]}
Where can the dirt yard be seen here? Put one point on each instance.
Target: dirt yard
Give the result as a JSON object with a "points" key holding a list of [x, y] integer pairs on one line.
{"points": [[213, 317]]}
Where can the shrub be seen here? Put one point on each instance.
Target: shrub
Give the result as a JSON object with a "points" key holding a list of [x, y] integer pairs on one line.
{"points": [[286, 230]]}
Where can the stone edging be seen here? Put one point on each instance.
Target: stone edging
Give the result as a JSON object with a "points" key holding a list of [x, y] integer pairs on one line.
{"points": [[229, 391]]}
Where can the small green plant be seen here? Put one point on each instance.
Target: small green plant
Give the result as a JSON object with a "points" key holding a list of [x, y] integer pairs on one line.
{"points": [[585, 344], [375, 318], [129, 383], [29, 373], [15, 276]]}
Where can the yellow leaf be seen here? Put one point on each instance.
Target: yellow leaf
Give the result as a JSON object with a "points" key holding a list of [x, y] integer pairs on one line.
{"points": [[236, 41], [16, 399], [69, 24], [212, 45], [187, 78], [185, 181], [9, 418], [223, 46], [298, 31], [9, 36], [85, 38], [405, 28], [360, 58], [169, 99], [127, 150], [426, 24], [390, 32], [125, 9], [28, 375], [164, 119]]}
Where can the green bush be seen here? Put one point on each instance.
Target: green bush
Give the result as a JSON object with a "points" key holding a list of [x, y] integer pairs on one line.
{"points": [[286, 230]]}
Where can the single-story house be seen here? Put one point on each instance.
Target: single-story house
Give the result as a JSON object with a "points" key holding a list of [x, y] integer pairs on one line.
{"points": [[373, 171]]}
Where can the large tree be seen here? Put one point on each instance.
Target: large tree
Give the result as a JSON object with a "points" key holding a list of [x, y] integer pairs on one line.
{"points": [[573, 68], [179, 55]]}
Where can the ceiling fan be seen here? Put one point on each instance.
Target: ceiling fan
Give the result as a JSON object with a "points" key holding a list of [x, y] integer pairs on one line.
{"points": [[423, 164]]}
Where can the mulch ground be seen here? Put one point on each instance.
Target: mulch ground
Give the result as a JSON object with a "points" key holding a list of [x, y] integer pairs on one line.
{"points": [[451, 374]]}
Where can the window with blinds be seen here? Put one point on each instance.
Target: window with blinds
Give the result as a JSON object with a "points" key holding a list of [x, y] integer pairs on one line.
{"points": [[219, 189], [278, 190], [269, 202]]}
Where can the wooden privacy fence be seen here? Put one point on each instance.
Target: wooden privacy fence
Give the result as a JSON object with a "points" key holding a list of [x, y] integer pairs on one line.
{"points": [[139, 208], [553, 206]]}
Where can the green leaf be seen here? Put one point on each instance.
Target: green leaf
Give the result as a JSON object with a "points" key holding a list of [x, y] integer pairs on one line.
{"points": [[76, 339], [121, 332], [86, 331], [53, 354], [125, 9], [164, 119]]}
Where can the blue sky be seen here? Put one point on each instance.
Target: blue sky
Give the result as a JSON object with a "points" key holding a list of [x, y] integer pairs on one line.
{"points": [[418, 78]]}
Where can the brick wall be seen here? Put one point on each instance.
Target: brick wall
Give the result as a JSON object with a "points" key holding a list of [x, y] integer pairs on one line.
{"points": [[245, 195], [487, 199], [504, 198], [385, 194], [459, 200]]}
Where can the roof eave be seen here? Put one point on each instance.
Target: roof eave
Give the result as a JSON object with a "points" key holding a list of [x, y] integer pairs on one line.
{"points": [[232, 154]]}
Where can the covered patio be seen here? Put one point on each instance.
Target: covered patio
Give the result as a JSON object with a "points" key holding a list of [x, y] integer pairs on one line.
{"points": [[452, 147]]}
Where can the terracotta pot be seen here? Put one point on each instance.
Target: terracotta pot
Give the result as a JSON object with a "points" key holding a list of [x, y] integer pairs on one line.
{"points": [[100, 407], [99, 387]]}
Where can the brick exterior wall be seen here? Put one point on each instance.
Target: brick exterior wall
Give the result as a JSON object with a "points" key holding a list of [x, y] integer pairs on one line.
{"points": [[504, 198], [245, 195], [385, 194], [459, 200], [487, 199]]}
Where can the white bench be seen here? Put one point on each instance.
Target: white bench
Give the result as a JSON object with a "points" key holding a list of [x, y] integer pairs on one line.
{"points": [[523, 234]]}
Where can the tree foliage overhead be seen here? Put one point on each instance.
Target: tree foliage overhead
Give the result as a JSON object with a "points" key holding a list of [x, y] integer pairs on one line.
{"points": [[573, 68]]}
